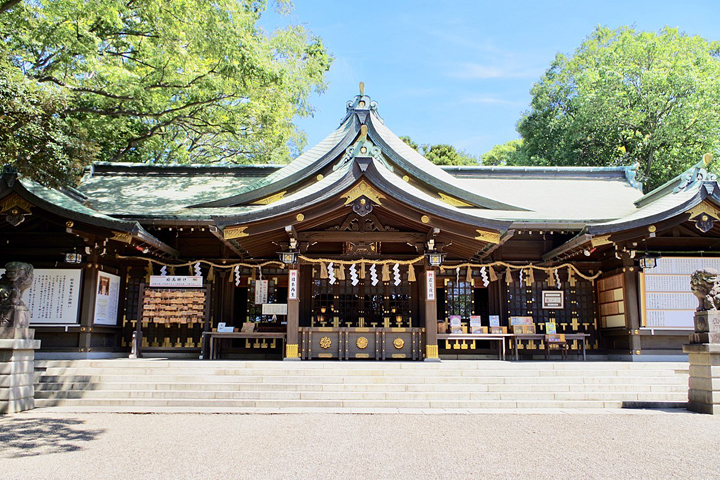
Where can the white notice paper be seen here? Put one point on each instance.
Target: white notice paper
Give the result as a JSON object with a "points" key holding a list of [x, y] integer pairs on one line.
{"points": [[106, 299], [54, 296]]}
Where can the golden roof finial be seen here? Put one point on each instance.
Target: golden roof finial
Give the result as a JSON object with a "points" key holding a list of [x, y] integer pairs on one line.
{"points": [[363, 133], [707, 158], [362, 88]]}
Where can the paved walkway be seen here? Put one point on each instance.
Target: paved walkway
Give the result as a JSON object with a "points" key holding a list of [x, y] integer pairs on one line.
{"points": [[525, 444]]}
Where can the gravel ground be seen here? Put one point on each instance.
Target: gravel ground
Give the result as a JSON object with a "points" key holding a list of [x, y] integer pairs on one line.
{"points": [[98, 446]]}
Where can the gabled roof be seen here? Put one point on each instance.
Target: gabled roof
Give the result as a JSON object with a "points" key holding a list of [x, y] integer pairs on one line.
{"points": [[68, 204], [683, 198], [562, 197], [673, 198]]}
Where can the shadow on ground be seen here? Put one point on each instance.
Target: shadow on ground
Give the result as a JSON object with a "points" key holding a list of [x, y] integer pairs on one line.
{"points": [[26, 437]]}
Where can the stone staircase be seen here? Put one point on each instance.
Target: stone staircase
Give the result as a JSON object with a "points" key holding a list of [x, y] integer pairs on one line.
{"points": [[269, 386]]}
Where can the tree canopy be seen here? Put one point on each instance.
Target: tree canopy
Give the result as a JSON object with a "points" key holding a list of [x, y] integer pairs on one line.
{"points": [[510, 153], [442, 154], [150, 80], [627, 96]]}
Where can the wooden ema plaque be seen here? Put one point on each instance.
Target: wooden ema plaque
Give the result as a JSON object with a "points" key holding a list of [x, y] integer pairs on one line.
{"points": [[173, 306]]}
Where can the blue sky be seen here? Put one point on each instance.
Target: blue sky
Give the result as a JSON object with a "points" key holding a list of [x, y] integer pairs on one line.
{"points": [[460, 72]]}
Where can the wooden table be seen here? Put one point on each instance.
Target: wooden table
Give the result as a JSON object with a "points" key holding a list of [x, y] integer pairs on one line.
{"points": [[491, 337], [214, 336], [539, 336]]}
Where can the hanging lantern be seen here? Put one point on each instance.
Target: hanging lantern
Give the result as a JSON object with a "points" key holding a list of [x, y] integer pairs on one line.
{"points": [[435, 259], [649, 260], [288, 258]]}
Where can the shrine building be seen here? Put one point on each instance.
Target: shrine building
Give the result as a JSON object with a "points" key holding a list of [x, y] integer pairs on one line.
{"points": [[361, 248]]}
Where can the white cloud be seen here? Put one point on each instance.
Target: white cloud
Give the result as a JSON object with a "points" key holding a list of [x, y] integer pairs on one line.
{"points": [[490, 100], [478, 71]]}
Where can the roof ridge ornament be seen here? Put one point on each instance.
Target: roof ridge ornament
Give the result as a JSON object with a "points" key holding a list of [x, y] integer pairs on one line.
{"points": [[631, 174], [696, 173], [361, 104]]}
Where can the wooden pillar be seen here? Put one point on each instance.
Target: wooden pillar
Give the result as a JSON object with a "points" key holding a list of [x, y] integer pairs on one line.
{"points": [[87, 310], [632, 308], [429, 294], [293, 314]]}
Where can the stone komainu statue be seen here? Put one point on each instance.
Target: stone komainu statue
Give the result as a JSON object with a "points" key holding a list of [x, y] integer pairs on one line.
{"points": [[17, 278], [705, 285]]}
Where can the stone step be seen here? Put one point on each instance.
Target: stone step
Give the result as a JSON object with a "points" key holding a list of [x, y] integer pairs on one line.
{"points": [[150, 384], [289, 404], [90, 395], [359, 365], [359, 387], [322, 380], [362, 372]]}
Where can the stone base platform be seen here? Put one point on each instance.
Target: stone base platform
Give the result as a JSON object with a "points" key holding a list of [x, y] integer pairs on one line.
{"points": [[704, 382], [17, 367]]}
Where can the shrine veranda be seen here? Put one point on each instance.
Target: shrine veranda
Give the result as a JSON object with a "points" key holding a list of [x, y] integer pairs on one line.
{"points": [[360, 249]]}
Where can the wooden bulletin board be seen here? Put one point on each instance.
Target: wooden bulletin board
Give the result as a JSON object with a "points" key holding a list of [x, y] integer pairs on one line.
{"points": [[611, 298], [665, 296]]}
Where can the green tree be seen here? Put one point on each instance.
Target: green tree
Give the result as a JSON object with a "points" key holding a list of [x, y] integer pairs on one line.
{"points": [[154, 80], [410, 142], [624, 97], [510, 153], [442, 154]]}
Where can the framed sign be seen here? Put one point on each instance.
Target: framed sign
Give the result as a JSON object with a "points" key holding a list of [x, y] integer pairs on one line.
{"points": [[175, 281], [292, 285], [261, 292], [107, 298], [475, 324], [430, 284], [274, 309], [553, 299], [666, 300], [54, 296], [455, 324], [494, 320]]}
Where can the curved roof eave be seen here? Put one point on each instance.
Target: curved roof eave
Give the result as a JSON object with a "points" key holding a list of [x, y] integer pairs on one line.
{"points": [[50, 199], [423, 169], [302, 167], [343, 179], [673, 211]]}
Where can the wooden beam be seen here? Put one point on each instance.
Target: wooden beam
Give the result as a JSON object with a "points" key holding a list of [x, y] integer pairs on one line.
{"points": [[490, 248], [387, 237], [215, 231]]}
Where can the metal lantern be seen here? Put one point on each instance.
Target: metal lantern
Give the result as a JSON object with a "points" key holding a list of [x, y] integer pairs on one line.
{"points": [[288, 258], [435, 259], [649, 260]]}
